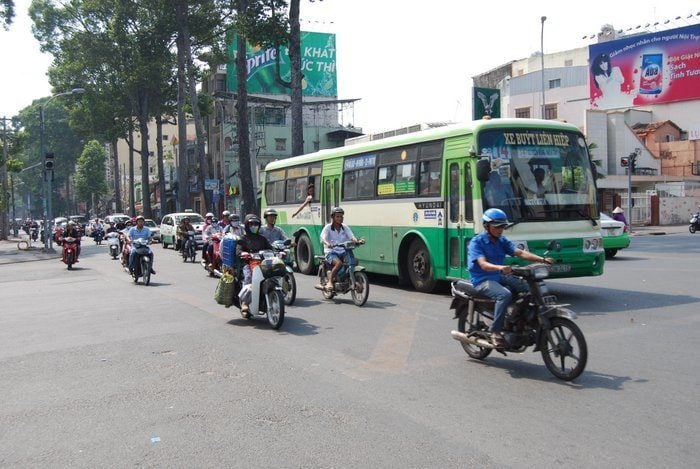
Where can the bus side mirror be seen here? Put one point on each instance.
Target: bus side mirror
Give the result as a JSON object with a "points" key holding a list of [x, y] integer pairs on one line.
{"points": [[483, 170]]}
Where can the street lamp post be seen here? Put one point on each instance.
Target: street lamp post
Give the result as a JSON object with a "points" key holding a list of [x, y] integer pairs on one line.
{"points": [[542, 20], [48, 174]]}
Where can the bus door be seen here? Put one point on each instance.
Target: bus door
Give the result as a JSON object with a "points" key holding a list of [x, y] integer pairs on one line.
{"points": [[331, 196], [459, 216]]}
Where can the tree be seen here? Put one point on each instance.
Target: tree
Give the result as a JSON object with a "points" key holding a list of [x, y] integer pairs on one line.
{"points": [[90, 182], [7, 13]]}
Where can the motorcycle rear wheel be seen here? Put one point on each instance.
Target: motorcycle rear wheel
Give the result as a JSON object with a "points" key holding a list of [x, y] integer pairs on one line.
{"points": [[69, 261], [275, 308], [691, 228], [361, 291], [564, 340], [474, 351], [289, 286]]}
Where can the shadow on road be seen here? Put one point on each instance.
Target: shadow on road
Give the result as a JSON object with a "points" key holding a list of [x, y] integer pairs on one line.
{"points": [[292, 325], [588, 380]]}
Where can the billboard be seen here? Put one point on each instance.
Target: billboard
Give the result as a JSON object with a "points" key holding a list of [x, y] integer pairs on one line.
{"points": [[486, 102], [317, 65], [652, 68]]}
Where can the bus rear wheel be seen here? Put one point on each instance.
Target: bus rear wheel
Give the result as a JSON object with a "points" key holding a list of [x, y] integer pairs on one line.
{"points": [[305, 255], [420, 267]]}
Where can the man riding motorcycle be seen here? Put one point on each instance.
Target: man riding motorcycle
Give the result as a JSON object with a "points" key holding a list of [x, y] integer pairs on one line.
{"points": [[72, 231], [251, 242], [489, 275], [182, 229], [140, 231], [209, 230], [271, 232], [334, 233]]}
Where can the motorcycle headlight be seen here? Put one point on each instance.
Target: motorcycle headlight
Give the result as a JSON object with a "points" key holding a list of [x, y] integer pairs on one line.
{"points": [[541, 272]]}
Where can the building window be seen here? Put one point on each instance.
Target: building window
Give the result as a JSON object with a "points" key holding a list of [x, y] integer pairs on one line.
{"points": [[556, 83], [670, 138], [165, 138], [523, 113], [281, 144], [550, 111], [220, 83], [269, 116], [569, 63]]}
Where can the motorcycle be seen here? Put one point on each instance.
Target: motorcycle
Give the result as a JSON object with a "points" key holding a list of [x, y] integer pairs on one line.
{"points": [[289, 283], [264, 293], [214, 264], [350, 278], [113, 244], [694, 223], [69, 254], [98, 235], [189, 250], [533, 318], [34, 232], [144, 261]]}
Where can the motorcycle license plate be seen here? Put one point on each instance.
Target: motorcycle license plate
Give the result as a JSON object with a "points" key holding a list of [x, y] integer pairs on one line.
{"points": [[560, 268]]}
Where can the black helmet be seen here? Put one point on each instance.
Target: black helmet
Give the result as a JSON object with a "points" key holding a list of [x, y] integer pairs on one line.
{"points": [[270, 211], [337, 210], [251, 219], [235, 217]]}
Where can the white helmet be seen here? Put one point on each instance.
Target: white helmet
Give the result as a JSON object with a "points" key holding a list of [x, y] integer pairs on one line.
{"points": [[209, 215]]}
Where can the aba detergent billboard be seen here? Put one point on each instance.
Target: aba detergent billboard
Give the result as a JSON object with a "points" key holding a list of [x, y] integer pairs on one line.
{"points": [[317, 65], [646, 69]]}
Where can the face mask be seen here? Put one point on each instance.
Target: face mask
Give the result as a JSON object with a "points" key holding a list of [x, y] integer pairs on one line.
{"points": [[254, 229]]}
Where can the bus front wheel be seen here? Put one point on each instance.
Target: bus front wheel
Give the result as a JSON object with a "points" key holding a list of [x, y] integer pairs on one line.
{"points": [[420, 268], [305, 255]]}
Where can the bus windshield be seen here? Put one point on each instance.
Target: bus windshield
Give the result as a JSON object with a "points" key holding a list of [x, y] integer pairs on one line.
{"points": [[538, 174]]}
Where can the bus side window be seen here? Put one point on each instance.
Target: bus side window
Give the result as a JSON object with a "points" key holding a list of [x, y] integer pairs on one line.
{"points": [[454, 193]]}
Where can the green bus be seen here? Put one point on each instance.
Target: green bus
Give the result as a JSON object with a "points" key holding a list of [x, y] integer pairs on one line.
{"points": [[418, 198]]}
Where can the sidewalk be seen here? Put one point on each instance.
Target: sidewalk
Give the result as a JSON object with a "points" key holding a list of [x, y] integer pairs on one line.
{"points": [[658, 230], [9, 254]]}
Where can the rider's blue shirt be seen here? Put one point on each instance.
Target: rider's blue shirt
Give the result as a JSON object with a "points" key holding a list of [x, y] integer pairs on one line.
{"points": [[135, 233], [494, 251]]}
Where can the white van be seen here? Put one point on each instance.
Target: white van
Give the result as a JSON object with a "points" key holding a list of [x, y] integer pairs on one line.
{"points": [[169, 223]]}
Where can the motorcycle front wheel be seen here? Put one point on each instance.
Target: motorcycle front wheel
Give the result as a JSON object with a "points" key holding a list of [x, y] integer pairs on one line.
{"points": [[473, 351], [146, 271], [564, 349], [289, 286], [275, 308], [361, 291], [691, 228], [69, 261]]}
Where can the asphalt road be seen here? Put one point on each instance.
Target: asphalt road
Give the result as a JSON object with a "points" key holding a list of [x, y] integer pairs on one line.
{"points": [[98, 372]]}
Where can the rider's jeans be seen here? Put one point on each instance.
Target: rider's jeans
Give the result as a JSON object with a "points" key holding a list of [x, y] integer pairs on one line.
{"points": [[502, 292], [132, 259]]}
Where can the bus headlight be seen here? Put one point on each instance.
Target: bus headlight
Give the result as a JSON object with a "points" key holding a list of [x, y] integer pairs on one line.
{"points": [[592, 244]]}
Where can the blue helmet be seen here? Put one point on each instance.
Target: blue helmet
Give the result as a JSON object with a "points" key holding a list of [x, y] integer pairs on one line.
{"points": [[496, 217]]}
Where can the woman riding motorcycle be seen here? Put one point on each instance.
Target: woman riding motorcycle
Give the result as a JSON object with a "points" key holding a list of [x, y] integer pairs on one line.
{"points": [[251, 242]]}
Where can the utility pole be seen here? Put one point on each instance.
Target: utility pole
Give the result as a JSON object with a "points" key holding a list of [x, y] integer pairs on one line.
{"points": [[3, 182]]}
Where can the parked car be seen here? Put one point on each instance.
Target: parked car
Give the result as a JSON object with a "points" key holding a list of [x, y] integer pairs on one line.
{"points": [[615, 235], [155, 230], [168, 227]]}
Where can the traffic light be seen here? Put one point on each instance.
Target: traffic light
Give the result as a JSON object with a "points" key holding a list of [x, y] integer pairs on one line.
{"points": [[624, 161], [49, 162], [633, 163]]}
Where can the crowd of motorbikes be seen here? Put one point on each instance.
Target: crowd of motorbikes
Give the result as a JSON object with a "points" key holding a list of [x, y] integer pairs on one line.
{"points": [[534, 318]]}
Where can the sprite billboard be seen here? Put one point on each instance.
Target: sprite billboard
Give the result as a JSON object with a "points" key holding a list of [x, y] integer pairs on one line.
{"points": [[317, 66]]}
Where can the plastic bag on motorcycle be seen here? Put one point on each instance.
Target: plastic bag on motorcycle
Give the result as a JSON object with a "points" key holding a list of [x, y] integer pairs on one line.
{"points": [[225, 290]]}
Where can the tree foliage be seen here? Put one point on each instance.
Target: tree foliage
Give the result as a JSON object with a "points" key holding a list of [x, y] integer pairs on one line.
{"points": [[89, 179], [7, 13]]}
